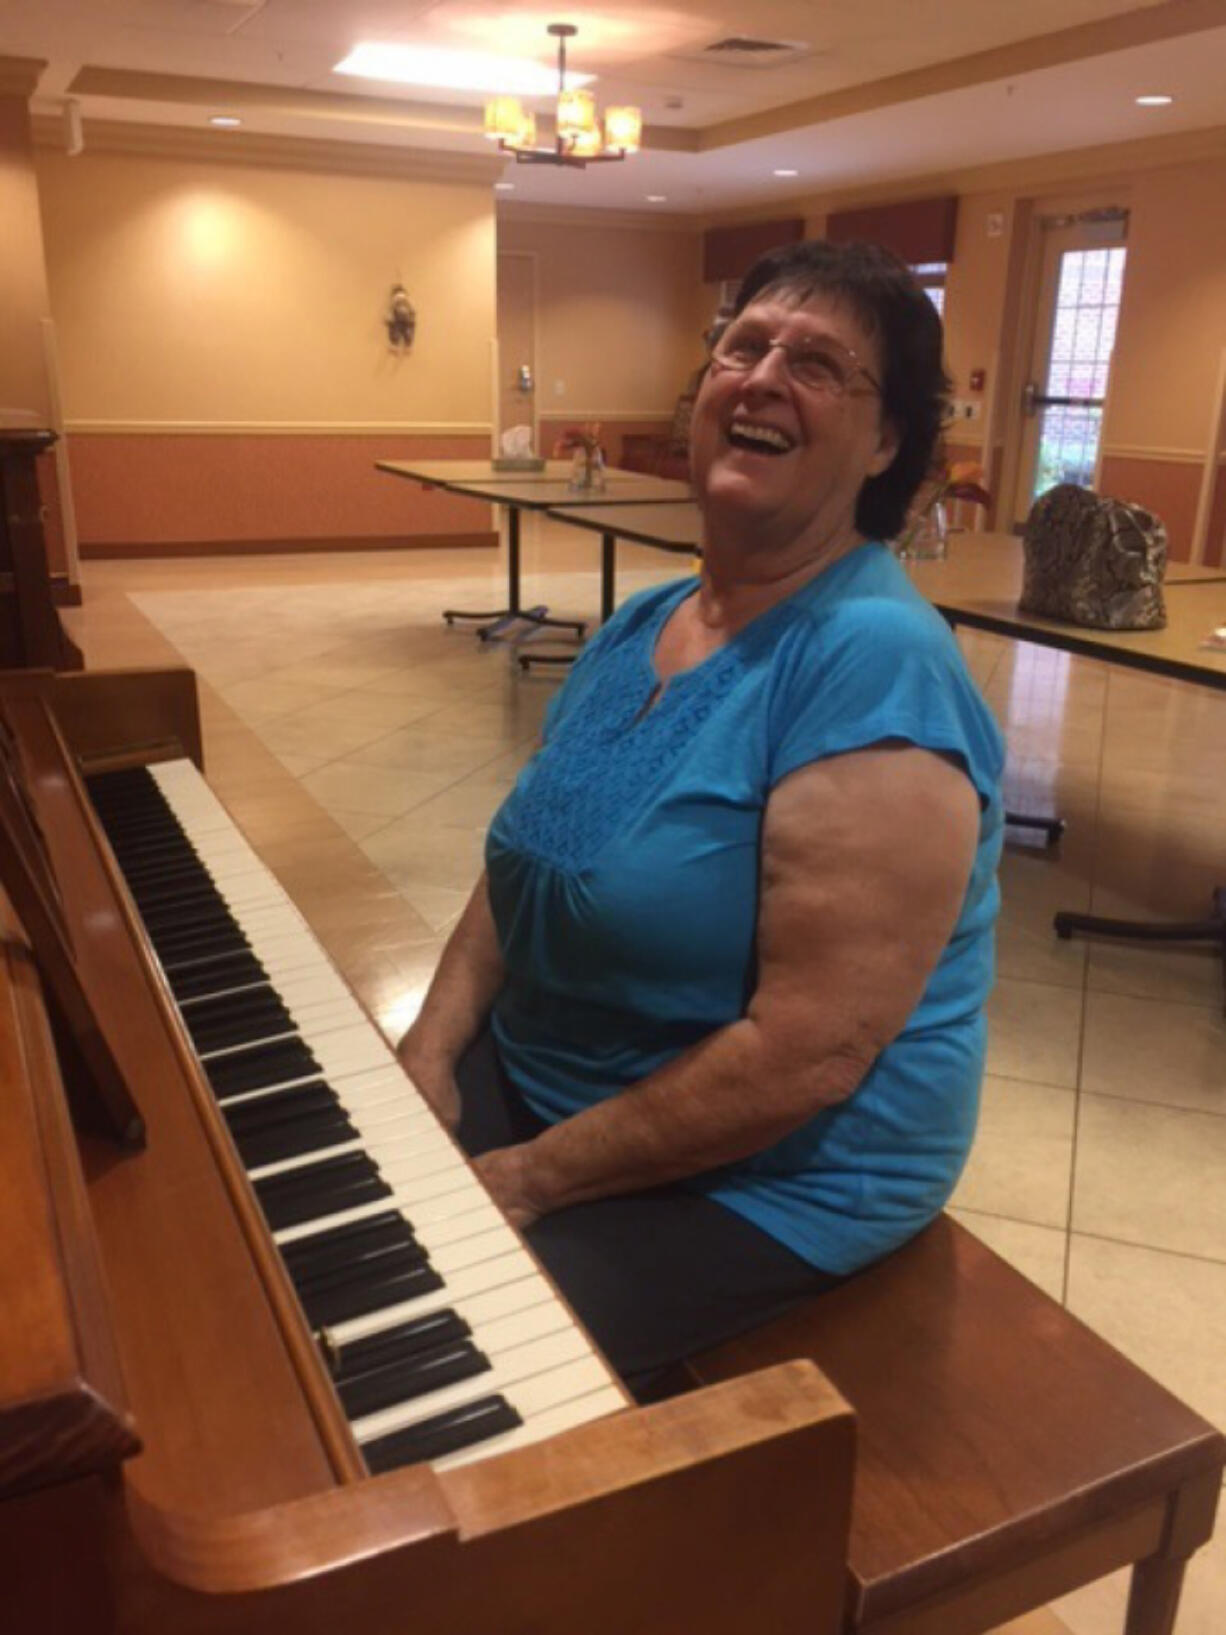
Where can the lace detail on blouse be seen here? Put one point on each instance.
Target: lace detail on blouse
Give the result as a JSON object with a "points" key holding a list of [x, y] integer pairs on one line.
{"points": [[604, 762]]}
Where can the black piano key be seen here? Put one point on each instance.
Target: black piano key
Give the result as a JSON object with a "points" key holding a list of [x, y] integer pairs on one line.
{"points": [[323, 1188], [257, 1113], [325, 1306], [341, 1245], [376, 1263], [263, 1065], [175, 947], [314, 1132], [232, 946], [236, 1019], [440, 1434], [419, 1334], [197, 979], [391, 1382]]}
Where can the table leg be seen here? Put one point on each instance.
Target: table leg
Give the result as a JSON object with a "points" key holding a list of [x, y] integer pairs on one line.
{"points": [[1153, 1597], [495, 622], [608, 549], [1211, 930]]}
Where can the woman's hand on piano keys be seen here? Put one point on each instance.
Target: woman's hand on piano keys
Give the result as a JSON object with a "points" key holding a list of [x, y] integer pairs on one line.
{"points": [[434, 1076], [506, 1175]]}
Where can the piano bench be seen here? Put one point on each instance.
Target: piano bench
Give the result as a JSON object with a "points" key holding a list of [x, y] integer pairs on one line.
{"points": [[1006, 1454]]}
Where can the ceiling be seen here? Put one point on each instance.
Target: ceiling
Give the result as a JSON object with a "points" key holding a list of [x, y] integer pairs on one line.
{"points": [[865, 91]]}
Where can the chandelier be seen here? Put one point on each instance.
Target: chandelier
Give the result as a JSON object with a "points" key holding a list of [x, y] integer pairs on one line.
{"points": [[579, 140]]}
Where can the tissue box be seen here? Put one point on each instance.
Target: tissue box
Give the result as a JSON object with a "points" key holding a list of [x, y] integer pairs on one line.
{"points": [[518, 462]]}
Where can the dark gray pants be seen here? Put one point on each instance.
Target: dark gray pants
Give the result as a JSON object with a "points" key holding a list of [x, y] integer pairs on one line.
{"points": [[654, 1276]]}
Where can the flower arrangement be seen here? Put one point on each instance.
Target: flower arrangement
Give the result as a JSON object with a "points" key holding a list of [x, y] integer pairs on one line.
{"points": [[947, 480], [585, 438]]}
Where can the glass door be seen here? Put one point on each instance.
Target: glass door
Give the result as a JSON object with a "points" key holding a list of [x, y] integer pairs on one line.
{"points": [[1078, 311]]}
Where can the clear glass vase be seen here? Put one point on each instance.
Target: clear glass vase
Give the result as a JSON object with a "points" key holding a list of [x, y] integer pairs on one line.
{"points": [[925, 537], [587, 471]]}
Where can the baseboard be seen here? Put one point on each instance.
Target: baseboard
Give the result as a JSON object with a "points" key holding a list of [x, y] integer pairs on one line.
{"points": [[100, 551]]}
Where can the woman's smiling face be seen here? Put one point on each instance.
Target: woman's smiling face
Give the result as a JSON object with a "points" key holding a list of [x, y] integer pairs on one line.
{"points": [[777, 453]]}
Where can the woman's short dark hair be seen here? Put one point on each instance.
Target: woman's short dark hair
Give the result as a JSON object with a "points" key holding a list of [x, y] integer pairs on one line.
{"points": [[890, 304]]}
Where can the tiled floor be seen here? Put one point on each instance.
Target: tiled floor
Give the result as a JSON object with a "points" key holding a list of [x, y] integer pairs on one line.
{"points": [[363, 747]]}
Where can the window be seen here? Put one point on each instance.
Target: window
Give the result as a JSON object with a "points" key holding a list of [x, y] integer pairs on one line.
{"points": [[931, 275]]}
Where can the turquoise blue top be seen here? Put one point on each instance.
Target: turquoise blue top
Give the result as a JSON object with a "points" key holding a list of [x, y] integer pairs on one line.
{"points": [[624, 866]]}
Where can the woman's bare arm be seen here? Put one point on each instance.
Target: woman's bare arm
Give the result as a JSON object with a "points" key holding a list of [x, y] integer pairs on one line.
{"points": [[866, 859], [456, 1005]]}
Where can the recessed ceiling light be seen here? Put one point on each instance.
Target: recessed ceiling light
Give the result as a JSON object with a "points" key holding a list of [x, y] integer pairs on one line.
{"points": [[787, 173], [504, 187], [657, 198], [225, 122], [1156, 100], [455, 70]]}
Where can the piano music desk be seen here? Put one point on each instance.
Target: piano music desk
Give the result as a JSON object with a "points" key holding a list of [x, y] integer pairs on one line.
{"points": [[1006, 1454]]}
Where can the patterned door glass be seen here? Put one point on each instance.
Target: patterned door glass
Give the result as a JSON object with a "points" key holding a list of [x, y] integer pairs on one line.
{"points": [[1083, 336]]}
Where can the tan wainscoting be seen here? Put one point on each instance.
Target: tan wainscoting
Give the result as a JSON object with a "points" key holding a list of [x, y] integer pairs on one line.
{"points": [[1167, 484], [156, 493]]}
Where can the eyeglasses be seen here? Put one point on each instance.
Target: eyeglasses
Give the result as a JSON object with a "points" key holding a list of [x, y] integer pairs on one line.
{"points": [[826, 368]]}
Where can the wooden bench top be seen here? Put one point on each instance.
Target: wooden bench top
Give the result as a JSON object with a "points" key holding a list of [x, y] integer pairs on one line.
{"points": [[1006, 1452]]}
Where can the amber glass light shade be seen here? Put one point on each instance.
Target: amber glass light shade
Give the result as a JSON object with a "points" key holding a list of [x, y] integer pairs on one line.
{"points": [[504, 118], [623, 128], [576, 114]]}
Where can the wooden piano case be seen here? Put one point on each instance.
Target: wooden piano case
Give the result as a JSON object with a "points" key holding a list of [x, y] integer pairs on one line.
{"points": [[172, 1455]]}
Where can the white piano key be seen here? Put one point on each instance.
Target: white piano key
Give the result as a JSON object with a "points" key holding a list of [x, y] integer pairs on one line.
{"points": [[540, 1360]]}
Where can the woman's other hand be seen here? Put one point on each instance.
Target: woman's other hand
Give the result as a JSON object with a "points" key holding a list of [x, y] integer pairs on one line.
{"points": [[506, 1174]]}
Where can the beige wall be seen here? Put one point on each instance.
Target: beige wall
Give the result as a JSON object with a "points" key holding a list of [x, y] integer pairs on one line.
{"points": [[231, 294], [227, 379], [1173, 319], [617, 314], [23, 280]]}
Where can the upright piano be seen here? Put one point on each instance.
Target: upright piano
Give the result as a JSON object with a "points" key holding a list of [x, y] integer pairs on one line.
{"points": [[270, 1359]]}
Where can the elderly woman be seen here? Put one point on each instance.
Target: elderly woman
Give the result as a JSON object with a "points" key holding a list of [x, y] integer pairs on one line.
{"points": [[713, 1018]]}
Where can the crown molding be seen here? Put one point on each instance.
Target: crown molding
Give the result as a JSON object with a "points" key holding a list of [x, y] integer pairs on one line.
{"points": [[576, 215], [1170, 19], [116, 136], [400, 114], [19, 76], [1115, 163]]}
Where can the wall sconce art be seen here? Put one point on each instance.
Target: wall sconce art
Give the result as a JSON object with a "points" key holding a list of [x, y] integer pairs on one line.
{"points": [[401, 319]]}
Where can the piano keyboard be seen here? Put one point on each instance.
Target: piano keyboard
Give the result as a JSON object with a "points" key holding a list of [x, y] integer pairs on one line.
{"points": [[444, 1340]]}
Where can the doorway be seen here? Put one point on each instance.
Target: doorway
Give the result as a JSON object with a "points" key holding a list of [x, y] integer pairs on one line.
{"points": [[517, 341], [1078, 290]]}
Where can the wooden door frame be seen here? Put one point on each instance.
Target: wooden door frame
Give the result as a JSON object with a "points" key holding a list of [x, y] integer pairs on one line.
{"points": [[533, 258]]}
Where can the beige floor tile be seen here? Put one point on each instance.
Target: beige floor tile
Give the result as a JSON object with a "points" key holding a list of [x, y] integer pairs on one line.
{"points": [[267, 697], [384, 711], [1022, 1162], [306, 732], [425, 749], [1043, 1622], [1035, 1251], [440, 906], [411, 853], [1151, 1176], [350, 786], [1150, 1050], [1034, 883], [1181, 975], [468, 804], [1166, 1312], [1033, 1032], [359, 825]]}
